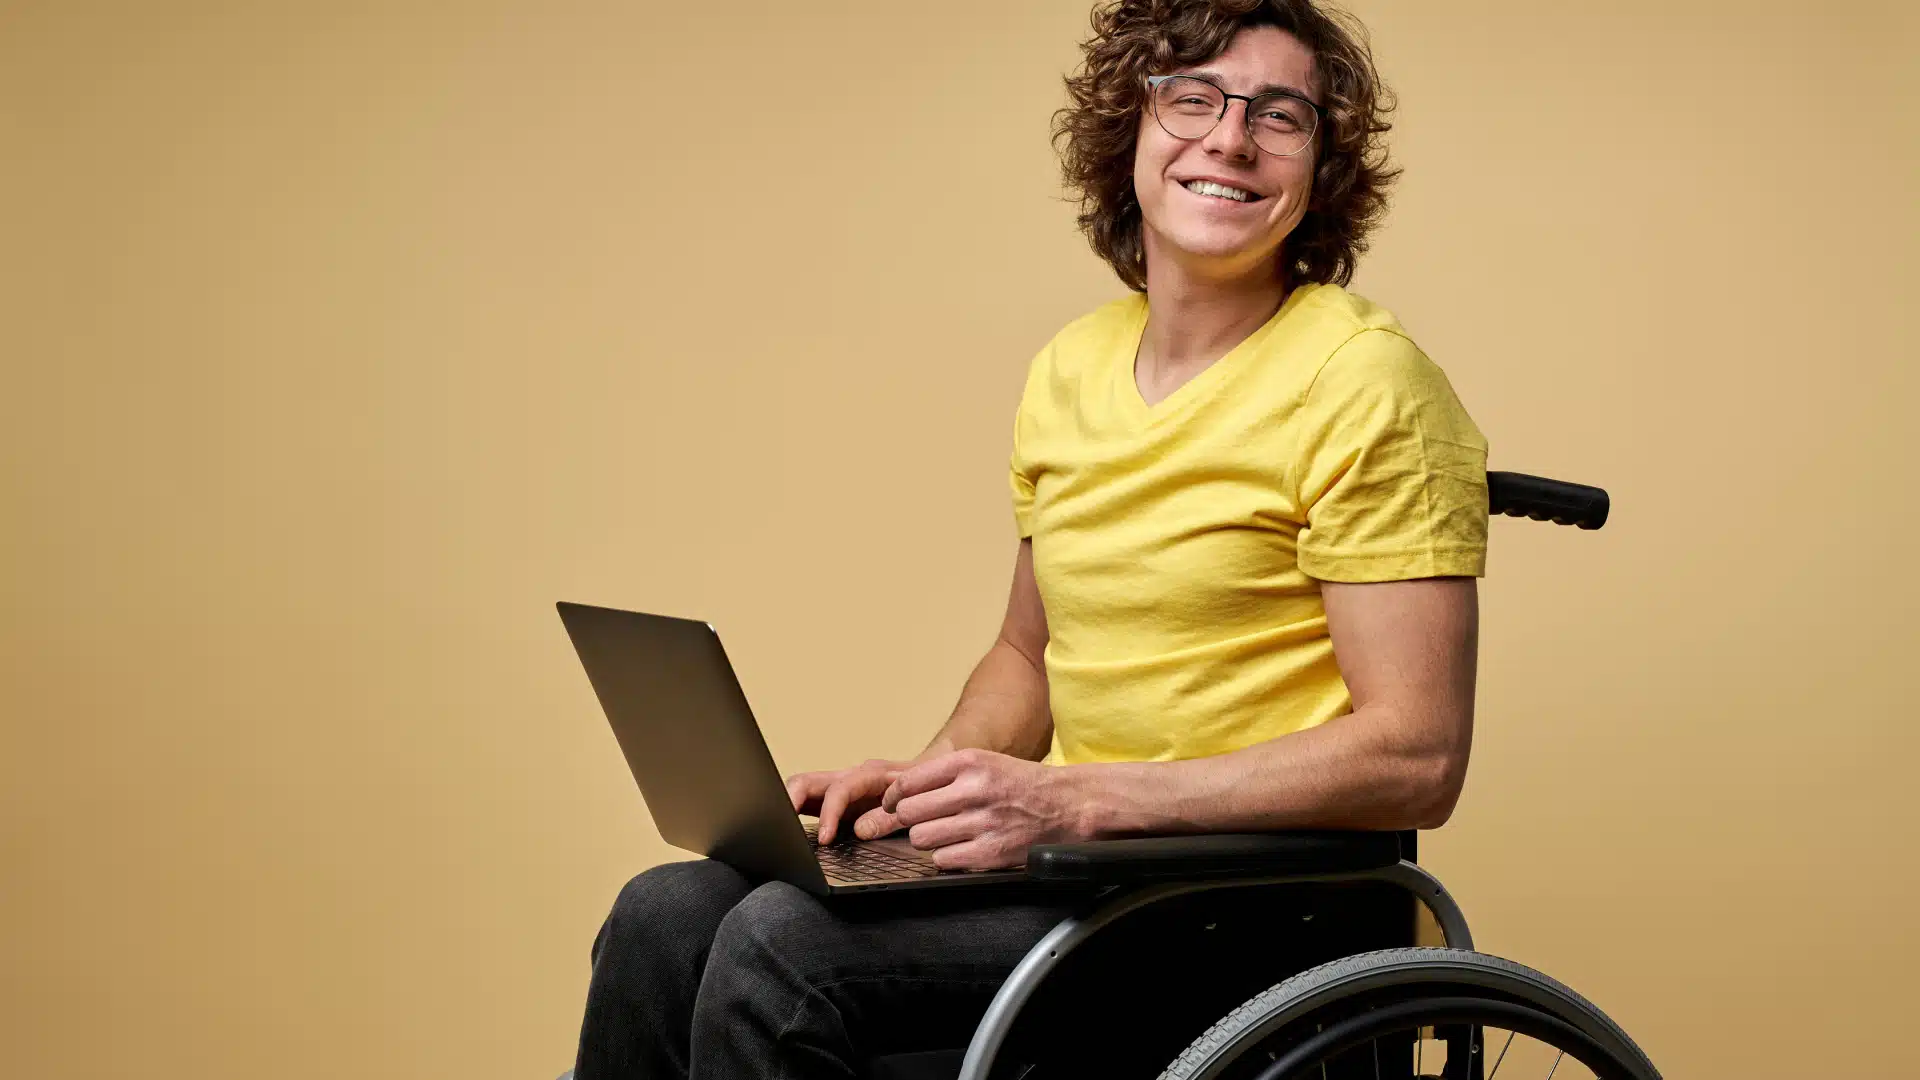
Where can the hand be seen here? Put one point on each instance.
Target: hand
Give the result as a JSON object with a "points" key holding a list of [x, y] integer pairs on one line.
{"points": [[977, 810], [831, 796]]}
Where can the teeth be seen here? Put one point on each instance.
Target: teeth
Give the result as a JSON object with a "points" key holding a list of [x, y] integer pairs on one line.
{"points": [[1208, 187]]}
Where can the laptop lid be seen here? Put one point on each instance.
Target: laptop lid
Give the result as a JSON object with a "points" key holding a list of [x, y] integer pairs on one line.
{"points": [[683, 724]]}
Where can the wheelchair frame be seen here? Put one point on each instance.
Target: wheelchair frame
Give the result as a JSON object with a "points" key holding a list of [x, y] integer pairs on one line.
{"points": [[1288, 858], [1142, 872]]}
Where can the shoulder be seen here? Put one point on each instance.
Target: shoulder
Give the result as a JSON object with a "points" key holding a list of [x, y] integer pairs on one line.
{"points": [[1365, 349], [1090, 338], [1337, 308]]}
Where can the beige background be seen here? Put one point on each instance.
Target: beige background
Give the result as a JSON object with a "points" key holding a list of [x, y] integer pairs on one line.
{"points": [[341, 340]]}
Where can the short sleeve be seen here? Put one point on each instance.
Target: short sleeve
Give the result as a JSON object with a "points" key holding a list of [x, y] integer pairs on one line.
{"points": [[1021, 481], [1391, 473], [1022, 472]]}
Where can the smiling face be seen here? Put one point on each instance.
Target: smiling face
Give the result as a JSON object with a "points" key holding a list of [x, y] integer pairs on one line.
{"points": [[1219, 205]]}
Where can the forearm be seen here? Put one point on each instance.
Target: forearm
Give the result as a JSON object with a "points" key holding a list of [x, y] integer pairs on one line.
{"points": [[1003, 708], [1367, 770]]}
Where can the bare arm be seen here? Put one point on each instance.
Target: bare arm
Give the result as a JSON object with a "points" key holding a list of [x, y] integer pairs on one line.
{"points": [[1397, 761], [1407, 651], [1003, 707]]}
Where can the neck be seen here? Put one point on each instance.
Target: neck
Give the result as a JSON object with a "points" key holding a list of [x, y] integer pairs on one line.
{"points": [[1195, 317]]}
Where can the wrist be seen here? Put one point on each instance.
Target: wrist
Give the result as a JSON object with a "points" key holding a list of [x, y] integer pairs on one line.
{"points": [[1097, 804]]}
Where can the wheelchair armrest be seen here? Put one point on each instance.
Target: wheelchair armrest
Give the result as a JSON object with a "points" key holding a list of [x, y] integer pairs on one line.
{"points": [[1213, 856]]}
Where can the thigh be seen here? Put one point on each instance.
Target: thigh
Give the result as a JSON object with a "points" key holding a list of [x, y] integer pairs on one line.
{"points": [[887, 973], [647, 963]]}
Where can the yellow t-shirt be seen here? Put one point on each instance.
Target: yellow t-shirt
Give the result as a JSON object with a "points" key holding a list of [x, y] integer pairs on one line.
{"points": [[1179, 547]]}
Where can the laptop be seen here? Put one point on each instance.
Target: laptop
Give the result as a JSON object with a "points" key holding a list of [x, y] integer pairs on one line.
{"points": [[704, 769]]}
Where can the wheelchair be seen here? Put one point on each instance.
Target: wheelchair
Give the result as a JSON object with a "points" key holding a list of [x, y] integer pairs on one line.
{"points": [[1397, 1012]]}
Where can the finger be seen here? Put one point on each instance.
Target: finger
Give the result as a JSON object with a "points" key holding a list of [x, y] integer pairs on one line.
{"points": [[875, 824], [948, 831], [983, 853], [832, 805], [955, 798], [805, 788], [925, 777]]}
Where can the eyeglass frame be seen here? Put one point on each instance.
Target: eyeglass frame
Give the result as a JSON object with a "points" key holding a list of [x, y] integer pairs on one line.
{"points": [[1319, 111]]}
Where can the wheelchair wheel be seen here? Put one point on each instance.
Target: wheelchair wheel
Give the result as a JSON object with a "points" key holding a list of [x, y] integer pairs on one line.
{"points": [[1404, 1013]]}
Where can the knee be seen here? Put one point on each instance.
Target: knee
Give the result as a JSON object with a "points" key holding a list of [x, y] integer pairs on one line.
{"points": [[779, 925], [691, 898], [679, 891]]}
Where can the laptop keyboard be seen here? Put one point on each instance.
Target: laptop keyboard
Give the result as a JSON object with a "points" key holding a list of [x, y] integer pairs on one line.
{"points": [[864, 862]]}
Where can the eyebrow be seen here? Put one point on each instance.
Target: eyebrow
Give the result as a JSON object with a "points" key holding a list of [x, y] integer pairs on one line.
{"points": [[1270, 88]]}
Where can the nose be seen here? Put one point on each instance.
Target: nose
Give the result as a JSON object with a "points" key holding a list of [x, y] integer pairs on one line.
{"points": [[1230, 137]]}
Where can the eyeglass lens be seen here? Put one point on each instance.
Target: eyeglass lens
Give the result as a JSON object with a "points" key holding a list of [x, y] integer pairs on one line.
{"points": [[1188, 108]]}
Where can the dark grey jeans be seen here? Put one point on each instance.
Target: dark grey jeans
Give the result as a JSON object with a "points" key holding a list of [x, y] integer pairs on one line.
{"points": [[699, 973]]}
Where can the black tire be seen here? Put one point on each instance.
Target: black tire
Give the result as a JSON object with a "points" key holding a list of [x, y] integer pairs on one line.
{"points": [[1345, 987]]}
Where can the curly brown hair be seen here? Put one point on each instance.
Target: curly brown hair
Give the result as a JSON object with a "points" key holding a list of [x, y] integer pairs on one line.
{"points": [[1132, 39]]}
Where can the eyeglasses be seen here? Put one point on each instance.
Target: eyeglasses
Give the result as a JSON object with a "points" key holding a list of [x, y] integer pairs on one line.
{"points": [[1189, 107]]}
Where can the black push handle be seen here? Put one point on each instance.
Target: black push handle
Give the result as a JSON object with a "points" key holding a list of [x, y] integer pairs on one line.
{"points": [[1519, 495]]}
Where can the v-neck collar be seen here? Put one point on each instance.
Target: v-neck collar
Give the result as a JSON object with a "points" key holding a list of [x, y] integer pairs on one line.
{"points": [[1198, 386]]}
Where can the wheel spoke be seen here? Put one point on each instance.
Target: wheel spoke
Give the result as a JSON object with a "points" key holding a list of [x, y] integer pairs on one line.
{"points": [[1503, 1056], [1439, 1018], [1454, 997]]}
